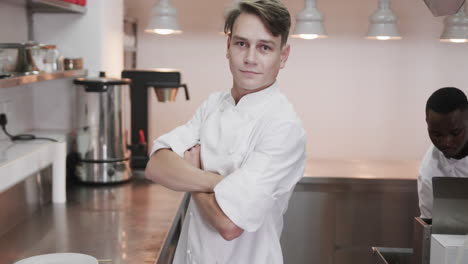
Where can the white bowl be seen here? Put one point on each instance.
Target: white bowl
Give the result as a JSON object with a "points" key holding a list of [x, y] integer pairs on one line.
{"points": [[59, 258]]}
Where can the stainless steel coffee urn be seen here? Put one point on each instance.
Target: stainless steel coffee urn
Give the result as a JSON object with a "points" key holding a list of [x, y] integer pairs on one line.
{"points": [[102, 130]]}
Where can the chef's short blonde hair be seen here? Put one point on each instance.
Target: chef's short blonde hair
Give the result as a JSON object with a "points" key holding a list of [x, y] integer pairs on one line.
{"points": [[273, 13]]}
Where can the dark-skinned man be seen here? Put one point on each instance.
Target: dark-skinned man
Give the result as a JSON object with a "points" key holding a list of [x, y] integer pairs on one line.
{"points": [[447, 123]]}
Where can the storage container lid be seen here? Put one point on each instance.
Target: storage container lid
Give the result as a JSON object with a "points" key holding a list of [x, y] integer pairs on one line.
{"points": [[101, 83]]}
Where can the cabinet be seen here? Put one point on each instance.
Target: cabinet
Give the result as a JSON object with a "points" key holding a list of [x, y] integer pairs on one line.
{"points": [[130, 42], [338, 220]]}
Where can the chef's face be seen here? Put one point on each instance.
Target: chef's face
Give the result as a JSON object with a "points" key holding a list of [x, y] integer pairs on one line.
{"points": [[255, 55], [448, 131]]}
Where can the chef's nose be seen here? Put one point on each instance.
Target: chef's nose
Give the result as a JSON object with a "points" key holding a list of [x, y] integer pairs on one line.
{"points": [[250, 56]]}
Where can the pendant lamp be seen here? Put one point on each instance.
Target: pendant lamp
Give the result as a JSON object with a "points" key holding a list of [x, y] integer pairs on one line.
{"points": [[309, 23], [383, 23], [456, 27], [163, 19]]}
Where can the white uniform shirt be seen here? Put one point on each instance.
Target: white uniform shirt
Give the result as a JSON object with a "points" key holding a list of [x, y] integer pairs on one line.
{"points": [[435, 164], [258, 146]]}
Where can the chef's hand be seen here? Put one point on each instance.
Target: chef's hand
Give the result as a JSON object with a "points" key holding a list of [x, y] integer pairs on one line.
{"points": [[192, 156]]}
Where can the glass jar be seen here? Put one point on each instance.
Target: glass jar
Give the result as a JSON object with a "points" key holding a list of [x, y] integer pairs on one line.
{"points": [[51, 58]]}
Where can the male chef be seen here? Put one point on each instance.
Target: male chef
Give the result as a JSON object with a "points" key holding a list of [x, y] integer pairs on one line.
{"points": [[243, 151], [447, 124]]}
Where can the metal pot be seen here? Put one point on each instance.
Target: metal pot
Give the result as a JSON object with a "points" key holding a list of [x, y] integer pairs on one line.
{"points": [[102, 133]]}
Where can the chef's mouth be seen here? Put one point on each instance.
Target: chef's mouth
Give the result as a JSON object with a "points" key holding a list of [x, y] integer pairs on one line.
{"points": [[449, 152], [249, 72]]}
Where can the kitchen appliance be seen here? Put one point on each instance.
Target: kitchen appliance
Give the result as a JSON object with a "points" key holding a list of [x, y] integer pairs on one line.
{"points": [[165, 83], [102, 154]]}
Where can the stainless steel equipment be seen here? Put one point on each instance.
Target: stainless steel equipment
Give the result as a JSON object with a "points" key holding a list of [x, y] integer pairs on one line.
{"points": [[102, 130]]}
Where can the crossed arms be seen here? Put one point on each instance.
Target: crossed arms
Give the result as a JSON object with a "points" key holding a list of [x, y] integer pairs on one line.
{"points": [[185, 174]]}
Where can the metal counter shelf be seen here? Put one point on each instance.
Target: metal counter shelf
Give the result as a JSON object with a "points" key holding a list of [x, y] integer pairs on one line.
{"points": [[134, 222]]}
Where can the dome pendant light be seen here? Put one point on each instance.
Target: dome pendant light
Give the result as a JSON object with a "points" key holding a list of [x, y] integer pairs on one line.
{"points": [[383, 23], [309, 23], [456, 27], [163, 19]]}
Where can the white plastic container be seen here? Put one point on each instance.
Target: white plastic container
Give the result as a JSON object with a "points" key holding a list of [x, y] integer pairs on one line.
{"points": [[449, 249]]}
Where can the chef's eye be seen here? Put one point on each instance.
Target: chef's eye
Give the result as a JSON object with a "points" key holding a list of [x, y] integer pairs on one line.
{"points": [[265, 48], [241, 43]]}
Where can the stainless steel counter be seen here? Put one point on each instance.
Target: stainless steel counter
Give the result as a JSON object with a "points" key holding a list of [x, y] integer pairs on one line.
{"points": [[126, 223], [338, 211]]}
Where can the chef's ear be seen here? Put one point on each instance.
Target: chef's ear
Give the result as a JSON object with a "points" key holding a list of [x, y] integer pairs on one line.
{"points": [[228, 46], [284, 55]]}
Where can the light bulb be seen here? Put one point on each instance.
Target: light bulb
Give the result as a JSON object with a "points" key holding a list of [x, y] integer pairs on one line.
{"points": [[164, 31], [382, 37], [307, 36]]}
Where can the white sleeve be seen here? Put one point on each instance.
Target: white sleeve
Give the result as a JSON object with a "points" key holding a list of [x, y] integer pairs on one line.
{"points": [[425, 194], [273, 168], [186, 136]]}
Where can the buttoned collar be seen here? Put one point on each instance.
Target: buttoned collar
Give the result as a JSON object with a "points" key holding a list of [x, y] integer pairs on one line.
{"points": [[251, 104]]}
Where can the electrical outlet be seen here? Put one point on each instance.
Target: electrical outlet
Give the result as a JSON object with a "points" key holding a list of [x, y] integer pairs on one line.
{"points": [[3, 111], [6, 107]]}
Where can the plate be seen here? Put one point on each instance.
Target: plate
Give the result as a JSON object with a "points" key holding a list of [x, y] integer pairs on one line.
{"points": [[59, 258]]}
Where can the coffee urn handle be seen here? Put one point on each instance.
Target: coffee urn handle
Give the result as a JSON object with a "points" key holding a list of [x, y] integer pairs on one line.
{"points": [[186, 91]]}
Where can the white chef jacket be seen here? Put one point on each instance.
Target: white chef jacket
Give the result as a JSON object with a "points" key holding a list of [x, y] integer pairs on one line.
{"points": [[435, 164], [258, 146]]}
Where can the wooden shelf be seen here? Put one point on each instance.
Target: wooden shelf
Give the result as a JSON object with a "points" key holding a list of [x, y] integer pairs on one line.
{"points": [[34, 78]]}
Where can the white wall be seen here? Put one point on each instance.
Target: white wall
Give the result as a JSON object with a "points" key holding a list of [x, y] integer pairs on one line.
{"points": [[13, 28], [358, 98], [96, 36]]}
